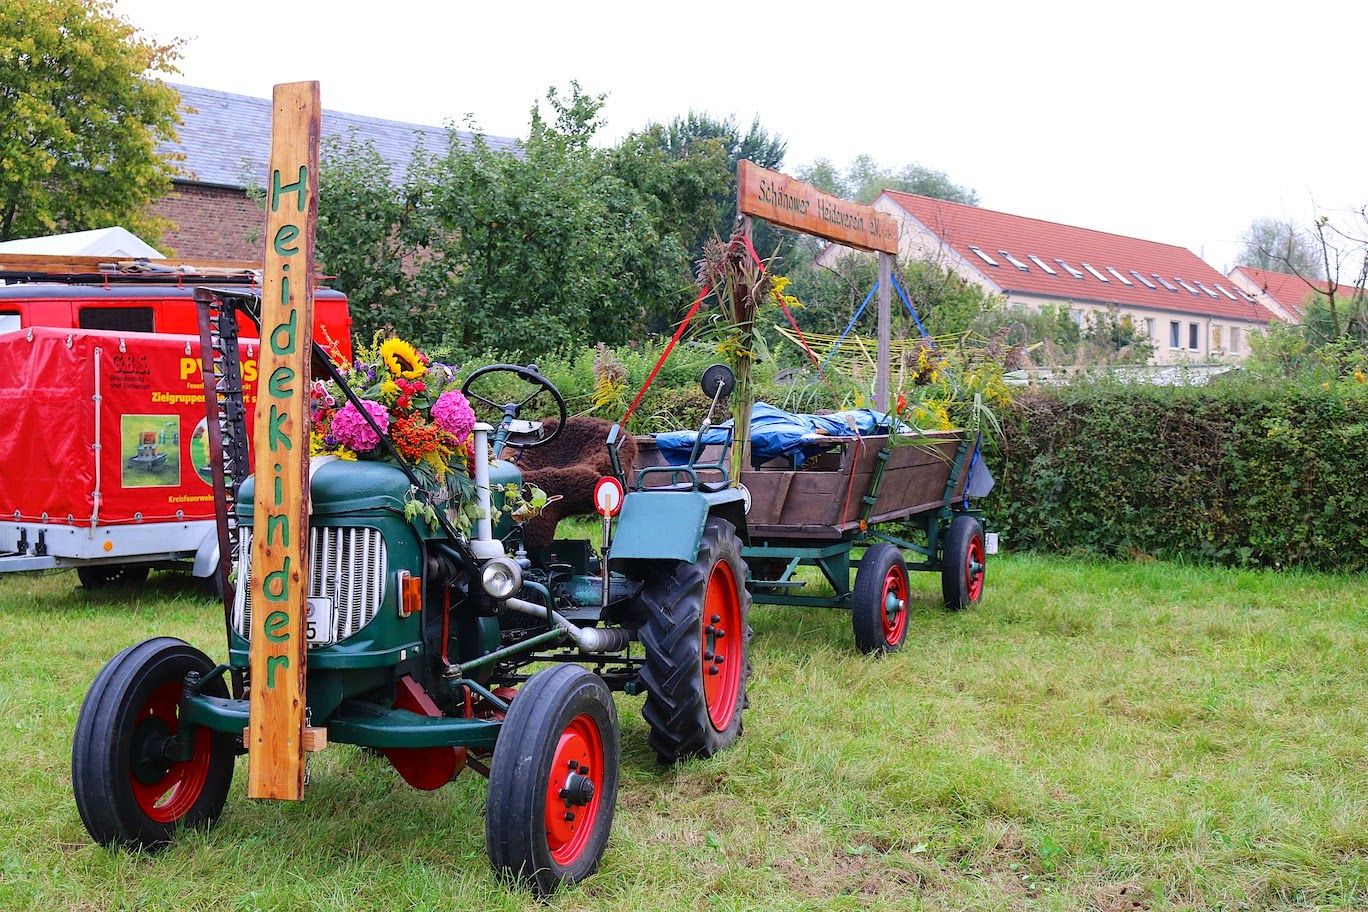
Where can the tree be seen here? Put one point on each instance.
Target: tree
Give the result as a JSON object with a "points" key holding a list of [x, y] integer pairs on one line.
{"points": [[1280, 245], [864, 179], [700, 134], [79, 123]]}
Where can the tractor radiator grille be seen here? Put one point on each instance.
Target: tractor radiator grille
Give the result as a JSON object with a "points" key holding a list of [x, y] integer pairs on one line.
{"points": [[346, 565]]}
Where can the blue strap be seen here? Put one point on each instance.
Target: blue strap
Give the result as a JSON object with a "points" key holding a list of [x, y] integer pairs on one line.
{"points": [[913, 311], [972, 462], [849, 326]]}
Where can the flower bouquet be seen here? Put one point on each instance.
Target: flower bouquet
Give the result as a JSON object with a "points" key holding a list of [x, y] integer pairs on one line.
{"points": [[418, 405]]}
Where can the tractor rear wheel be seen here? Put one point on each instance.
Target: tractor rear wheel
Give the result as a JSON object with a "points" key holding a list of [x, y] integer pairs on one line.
{"points": [[102, 575], [878, 608], [553, 781], [962, 563], [131, 787], [697, 637]]}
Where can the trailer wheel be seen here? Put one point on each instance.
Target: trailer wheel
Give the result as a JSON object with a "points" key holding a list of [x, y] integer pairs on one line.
{"points": [[962, 563], [100, 576], [128, 790], [697, 639], [553, 781], [878, 609]]}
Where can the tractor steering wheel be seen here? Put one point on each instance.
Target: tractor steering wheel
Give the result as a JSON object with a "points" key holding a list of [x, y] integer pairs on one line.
{"points": [[484, 387]]}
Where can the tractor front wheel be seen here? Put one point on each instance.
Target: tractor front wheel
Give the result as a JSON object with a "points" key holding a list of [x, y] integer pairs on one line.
{"points": [[697, 639], [962, 563], [553, 781], [878, 608], [135, 779]]}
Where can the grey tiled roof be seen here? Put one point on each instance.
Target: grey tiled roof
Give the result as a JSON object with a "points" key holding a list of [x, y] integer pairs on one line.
{"points": [[227, 140]]}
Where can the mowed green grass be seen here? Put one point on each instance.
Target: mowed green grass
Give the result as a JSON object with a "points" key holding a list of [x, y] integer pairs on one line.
{"points": [[1093, 736]]}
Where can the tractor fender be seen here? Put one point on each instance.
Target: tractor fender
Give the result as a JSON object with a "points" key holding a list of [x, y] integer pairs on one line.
{"points": [[668, 525]]}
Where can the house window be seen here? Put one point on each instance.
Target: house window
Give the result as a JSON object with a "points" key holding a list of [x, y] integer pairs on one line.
{"points": [[1216, 337], [1041, 263], [1221, 289], [1160, 279], [1234, 340], [1069, 269], [1175, 335], [1149, 327], [1193, 337], [1122, 279], [1187, 286], [983, 256], [1144, 281], [1015, 262], [1097, 275]]}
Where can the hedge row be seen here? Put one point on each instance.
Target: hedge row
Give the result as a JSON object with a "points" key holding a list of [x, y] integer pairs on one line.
{"points": [[1247, 474]]}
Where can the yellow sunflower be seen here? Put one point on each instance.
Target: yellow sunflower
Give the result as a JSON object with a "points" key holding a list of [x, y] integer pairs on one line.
{"points": [[402, 359]]}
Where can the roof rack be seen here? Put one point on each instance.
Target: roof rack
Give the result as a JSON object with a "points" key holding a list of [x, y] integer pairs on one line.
{"points": [[93, 270]]}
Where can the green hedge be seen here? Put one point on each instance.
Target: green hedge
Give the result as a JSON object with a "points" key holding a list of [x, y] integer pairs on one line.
{"points": [[1249, 474]]}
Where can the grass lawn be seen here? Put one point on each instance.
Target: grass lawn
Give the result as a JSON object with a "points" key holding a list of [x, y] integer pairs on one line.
{"points": [[1094, 736]]}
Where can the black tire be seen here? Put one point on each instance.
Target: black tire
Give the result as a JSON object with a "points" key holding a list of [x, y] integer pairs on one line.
{"points": [[694, 677], [562, 714], [878, 608], [963, 562], [102, 575], [126, 794]]}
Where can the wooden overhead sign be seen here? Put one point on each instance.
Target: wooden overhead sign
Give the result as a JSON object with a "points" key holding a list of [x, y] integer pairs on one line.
{"points": [[280, 572], [781, 200]]}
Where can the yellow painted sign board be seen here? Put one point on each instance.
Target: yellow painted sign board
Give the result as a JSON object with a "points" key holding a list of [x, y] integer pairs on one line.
{"points": [[280, 534]]}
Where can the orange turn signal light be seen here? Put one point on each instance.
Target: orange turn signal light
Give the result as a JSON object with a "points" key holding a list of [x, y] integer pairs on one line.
{"points": [[410, 594]]}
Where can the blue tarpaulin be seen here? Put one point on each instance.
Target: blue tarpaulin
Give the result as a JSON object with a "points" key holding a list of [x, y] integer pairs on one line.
{"points": [[775, 432]]}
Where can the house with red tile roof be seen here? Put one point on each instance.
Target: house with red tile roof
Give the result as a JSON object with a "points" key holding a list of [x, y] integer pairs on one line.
{"points": [[1285, 295], [1188, 309]]}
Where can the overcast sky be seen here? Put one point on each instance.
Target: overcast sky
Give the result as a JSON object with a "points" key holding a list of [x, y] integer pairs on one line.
{"points": [[1177, 122]]}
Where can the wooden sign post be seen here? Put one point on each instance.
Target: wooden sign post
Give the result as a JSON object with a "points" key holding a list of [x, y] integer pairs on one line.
{"points": [[280, 535], [780, 199]]}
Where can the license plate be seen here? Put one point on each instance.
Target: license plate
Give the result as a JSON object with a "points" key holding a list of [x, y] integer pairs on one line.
{"points": [[318, 623]]}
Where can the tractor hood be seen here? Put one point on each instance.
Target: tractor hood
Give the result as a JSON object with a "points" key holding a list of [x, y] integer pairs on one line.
{"points": [[343, 486]]}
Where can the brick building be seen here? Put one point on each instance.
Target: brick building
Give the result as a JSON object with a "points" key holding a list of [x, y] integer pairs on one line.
{"points": [[226, 139]]}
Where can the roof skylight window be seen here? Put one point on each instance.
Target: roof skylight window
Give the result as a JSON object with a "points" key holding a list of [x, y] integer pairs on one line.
{"points": [[1221, 289], [1187, 286], [1041, 263], [1144, 281], [1069, 269], [1015, 262], [1124, 281], [1100, 276], [1207, 290], [1245, 296], [983, 256], [1160, 279]]}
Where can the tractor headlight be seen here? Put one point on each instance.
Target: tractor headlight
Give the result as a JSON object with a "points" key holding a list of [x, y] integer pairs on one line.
{"points": [[501, 577]]}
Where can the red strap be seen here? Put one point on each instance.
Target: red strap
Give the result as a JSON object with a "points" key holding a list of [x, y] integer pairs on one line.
{"points": [[784, 307], [665, 354]]}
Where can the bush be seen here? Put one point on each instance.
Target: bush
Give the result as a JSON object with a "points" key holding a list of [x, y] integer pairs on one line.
{"points": [[1247, 473]]}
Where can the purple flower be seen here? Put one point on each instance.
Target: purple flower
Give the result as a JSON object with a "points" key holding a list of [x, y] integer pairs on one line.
{"points": [[352, 430], [453, 414]]}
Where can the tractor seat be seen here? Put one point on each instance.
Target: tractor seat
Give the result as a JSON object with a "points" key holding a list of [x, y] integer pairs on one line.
{"points": [[570, 466]]}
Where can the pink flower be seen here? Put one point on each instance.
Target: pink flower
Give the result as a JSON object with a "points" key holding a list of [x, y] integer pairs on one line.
{"points": [[352, 430], [453, 414]]}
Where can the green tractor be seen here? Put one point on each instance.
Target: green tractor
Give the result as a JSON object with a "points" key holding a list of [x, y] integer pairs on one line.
{"points": [[442, 651]]}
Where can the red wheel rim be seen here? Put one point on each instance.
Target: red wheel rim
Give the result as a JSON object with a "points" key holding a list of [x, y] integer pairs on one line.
{"points": [[973, 568], [893, 615], [170, 797], [722, 645], [574, 790]]}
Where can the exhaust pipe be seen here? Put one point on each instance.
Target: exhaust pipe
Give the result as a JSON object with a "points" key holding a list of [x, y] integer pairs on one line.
{"points": [[588, 639]]}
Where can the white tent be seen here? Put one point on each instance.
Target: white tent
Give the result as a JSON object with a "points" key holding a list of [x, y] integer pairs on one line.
{"points": [[114, 242]]}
